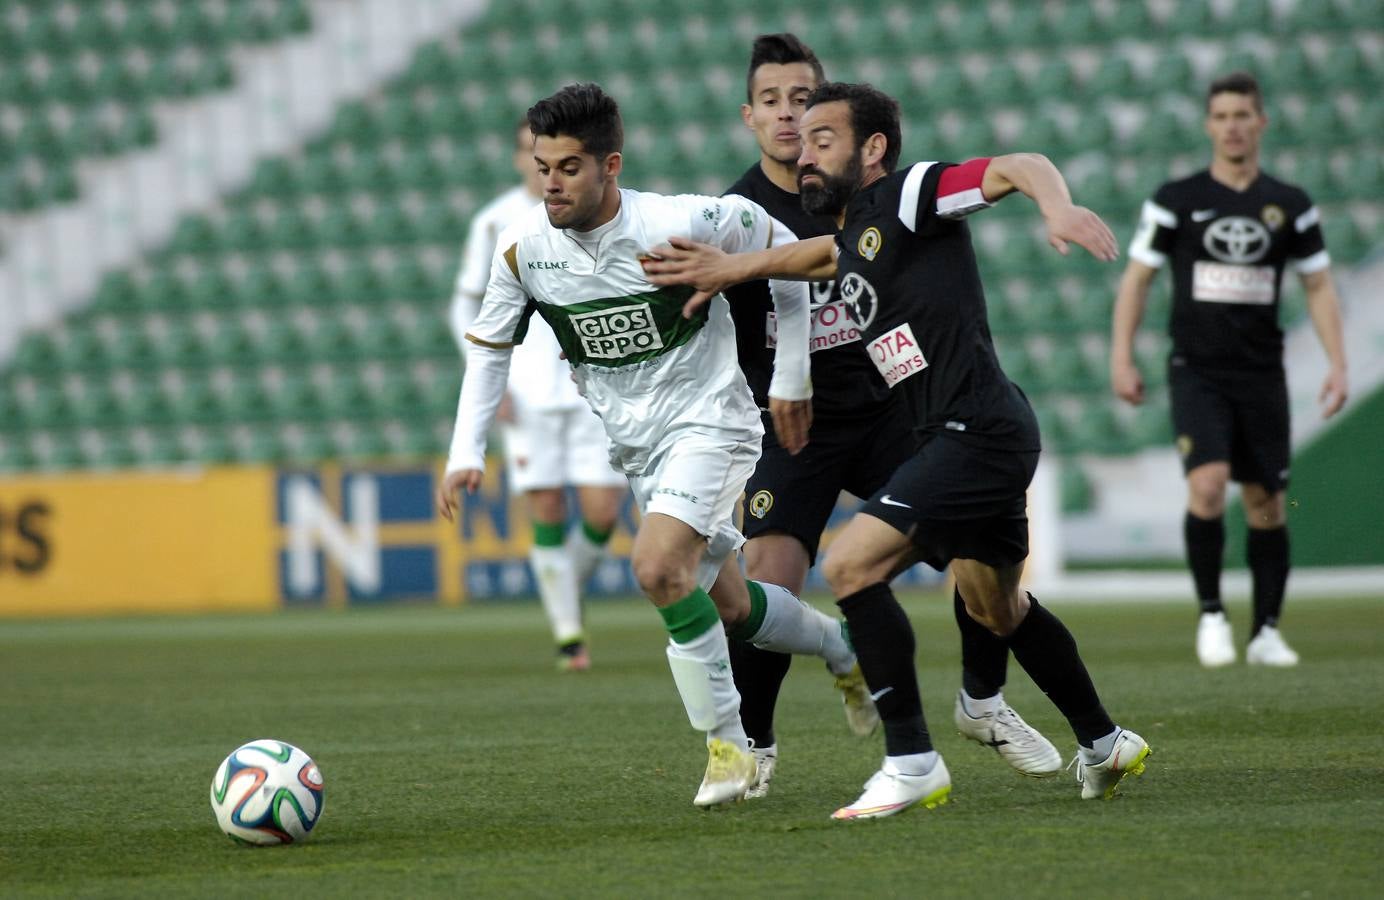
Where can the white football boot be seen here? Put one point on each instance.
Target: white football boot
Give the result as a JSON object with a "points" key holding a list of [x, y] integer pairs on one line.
{"points": [[730, 772], [1269, 649], [767, 760], [1215, 643], [889, 791], [1101, 779], [1017, 742]]}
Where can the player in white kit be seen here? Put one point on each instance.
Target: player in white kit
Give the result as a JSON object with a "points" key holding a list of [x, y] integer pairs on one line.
{"points": [[680, 418], [551, 437]]}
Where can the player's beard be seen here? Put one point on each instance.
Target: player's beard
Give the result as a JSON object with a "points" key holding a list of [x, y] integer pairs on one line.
{"points": [[831, 196]]}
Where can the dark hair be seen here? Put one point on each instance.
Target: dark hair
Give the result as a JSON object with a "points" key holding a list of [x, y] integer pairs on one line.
{"points": [[780, 49], [872, 112], [1236, 83], [584, 112]]}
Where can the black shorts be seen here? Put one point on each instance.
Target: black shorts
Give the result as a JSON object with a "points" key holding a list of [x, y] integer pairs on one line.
{"points": [[796, 494], [958, 501], [1235, 417]]}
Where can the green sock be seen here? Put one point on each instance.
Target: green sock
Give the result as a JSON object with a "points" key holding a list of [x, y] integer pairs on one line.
{"points": [[595, 535], [691, 617], [549, 535], [750, 627]]}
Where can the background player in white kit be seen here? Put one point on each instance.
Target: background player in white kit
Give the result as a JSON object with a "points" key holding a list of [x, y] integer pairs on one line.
{"points": [[551, 437], [681, 420]]}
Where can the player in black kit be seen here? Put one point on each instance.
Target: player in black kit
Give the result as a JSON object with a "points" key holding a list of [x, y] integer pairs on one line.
{"points": [[1230, 231], [859, 436], [907, 271]]}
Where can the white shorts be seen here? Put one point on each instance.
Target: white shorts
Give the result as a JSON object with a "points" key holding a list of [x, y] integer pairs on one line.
{"points": [[552, 448], [697, 478]]}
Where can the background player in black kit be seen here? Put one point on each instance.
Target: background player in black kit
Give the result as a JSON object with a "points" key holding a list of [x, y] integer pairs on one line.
{"points": [[858, 437], [1229, 231], [908, 272]]}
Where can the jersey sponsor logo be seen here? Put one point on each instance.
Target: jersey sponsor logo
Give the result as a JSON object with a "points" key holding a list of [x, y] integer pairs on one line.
{"points": [[746, 220], [870, 242], [761, 503], [1220, 283], [897, 355], [617, 332], [1203, 215], [1236, 239], [860, 298], [544, 264], [831, 327], [1273, 216]]}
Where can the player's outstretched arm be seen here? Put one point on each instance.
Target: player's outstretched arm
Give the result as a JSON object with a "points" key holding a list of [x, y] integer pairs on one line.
{"points": [[1034, 175], [1324, 307], [1125, 379], [711, 270]]}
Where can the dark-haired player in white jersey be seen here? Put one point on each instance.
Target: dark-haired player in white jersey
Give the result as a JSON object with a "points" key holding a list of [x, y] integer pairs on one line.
{"points": [[1229, 232], [860, 434], [908, 273]]}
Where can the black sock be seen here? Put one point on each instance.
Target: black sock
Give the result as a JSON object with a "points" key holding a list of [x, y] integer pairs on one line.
{"points": [[884, 645], [1266, 550], [984, 654], [1205, 543], [758, 674], [1047, 651]]}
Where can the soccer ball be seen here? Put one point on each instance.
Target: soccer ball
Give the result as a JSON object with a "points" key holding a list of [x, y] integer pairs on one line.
{"points": [[267, 792]]}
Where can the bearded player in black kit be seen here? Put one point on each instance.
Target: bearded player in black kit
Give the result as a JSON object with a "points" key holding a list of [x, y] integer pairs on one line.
{"points": [[908, 273], [1230, 230], [859, 436]]}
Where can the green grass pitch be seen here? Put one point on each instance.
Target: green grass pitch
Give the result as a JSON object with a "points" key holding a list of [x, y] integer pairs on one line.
{"points": [[459, 763]]}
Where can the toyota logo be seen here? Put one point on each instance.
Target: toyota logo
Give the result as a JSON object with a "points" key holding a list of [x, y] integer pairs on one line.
{"points": [[859, 297], [1236, 239]]}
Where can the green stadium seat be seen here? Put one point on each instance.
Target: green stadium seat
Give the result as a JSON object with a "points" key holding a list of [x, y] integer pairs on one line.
{"points": [[216, 449], [260, 287], [282, 343], [1077, 493], [367, 444], [295, 399], [1025, 26], [15, 456], [81, 347], [310, 285], [1076, 23], [1115, 78], [293, 230]]}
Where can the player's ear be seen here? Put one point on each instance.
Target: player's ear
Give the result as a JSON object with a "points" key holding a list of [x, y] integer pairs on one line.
{"points": [[746, 112], [875, 147], [612, 164]]}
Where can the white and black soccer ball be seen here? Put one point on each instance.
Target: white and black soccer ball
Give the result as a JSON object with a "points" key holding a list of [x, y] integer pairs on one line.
{"points": [[267, 792]]}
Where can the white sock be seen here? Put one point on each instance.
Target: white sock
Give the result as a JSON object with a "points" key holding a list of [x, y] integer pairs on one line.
{"points": [[1100, 749], [585, 553], [984, 706], [708, 655], [912, 763], [792, 626], [556, 575]]}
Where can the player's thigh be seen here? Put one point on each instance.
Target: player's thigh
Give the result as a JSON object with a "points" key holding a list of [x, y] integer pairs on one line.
{"points": [[795, 494], [547, 505], [1261, 444], [1203, 418], [665, 558], [991, 593], [777, 558], [867, 551]]}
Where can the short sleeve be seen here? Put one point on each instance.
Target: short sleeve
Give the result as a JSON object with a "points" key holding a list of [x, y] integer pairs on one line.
{"points": [[1157, 229], [1306, 245], [934, 192]]}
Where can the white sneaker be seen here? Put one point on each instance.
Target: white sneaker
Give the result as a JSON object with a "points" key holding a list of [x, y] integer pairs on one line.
{"points": [[1215, 643], [1101, 779], [1020, 744], [729, 773], [889, 791], [767, 760], [1269, 649], [861, 715]]}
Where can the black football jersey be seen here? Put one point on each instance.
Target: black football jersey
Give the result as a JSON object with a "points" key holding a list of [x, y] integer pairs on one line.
{"points": [[1228, 250], [844, 384], [908, 276]]}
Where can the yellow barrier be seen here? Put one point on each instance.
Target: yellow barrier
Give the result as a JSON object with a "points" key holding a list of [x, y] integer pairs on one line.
{"points": [[198, 539]]}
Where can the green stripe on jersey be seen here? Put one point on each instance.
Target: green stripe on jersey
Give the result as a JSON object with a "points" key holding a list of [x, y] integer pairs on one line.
{"points": [[621, 331]]}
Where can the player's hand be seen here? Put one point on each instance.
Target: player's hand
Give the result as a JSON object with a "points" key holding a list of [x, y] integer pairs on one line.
{"points": [[792, 420], [1333, 393], [1078, 225], [1127, 383], [446, 496], [686, 262]]}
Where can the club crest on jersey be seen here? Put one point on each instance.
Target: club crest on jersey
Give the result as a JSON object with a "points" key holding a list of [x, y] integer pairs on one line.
{"points": [[1184, 445], [1237, 239], [1273, 216], [761, 503], [617, 332], [860, 298], [870, 242]]}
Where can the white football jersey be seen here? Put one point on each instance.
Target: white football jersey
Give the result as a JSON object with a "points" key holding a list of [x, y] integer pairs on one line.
{"points": [[539, 379], [647, 371]]}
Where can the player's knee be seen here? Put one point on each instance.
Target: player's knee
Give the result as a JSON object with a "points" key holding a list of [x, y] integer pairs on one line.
{"points": [[998, 613], [1206, 494], [844, 575], [661, 579]]}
